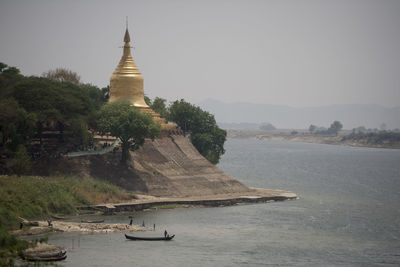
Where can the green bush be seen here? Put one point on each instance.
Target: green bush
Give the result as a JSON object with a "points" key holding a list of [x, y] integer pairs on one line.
{"points": [[10, 245]]}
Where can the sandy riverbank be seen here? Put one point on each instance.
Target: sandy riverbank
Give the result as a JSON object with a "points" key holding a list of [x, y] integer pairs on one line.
{"points": [[63, 226]]}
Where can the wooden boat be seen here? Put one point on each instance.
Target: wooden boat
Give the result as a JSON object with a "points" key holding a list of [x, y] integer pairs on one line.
{"points": [[168, 238], [60, 258], [98, 221], [47, 256]]}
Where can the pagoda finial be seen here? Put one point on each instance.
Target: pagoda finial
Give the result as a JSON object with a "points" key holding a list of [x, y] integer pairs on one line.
{"points": [[127, 38]]}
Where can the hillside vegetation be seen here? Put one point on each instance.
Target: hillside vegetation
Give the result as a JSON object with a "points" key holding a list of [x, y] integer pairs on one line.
{"points": [[34, 197], [49, 116]]}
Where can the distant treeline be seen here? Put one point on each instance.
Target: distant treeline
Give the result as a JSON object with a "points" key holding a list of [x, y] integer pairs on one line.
{"points": [[334, 129], [362, 134], [363, 129], [374, 138]]}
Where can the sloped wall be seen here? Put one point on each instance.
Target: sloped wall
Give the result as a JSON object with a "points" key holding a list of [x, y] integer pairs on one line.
{"points": [[167, 166], [188, 173]]}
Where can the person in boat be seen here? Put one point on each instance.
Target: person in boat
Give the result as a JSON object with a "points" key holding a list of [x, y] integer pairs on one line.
{"points": [[165, 233]]}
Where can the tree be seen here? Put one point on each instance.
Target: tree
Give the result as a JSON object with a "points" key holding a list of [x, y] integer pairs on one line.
{"points": [[2, 66], [312, 128], [267, 127], [21, 163], [205, 135], [5, 69], [63, 75], [147, 100], [159, 106], [360, 129], [126, 122], [106, 93], [335, 127], [56, 105], [8, 76], [16, 125], [211, 144], [98, 96], [190, 118]]}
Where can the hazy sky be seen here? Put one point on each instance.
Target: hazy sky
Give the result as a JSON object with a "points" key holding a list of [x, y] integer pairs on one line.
{"points": [[296, 53]]}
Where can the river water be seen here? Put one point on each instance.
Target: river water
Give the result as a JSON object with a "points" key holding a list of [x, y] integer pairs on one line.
{"points": [[348, 214]]}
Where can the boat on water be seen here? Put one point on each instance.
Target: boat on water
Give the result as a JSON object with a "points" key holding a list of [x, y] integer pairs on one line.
{"points": [[165, 238], [51, 256], [98, 221]]}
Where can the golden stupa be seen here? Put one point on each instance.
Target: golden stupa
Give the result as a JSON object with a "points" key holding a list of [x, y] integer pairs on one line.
{"points": [[126, 84]]}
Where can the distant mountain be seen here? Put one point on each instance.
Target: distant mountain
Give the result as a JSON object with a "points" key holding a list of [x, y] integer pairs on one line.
{"points": [[351, 116]]}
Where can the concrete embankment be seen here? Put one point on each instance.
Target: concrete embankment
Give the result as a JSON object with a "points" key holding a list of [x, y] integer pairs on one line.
{"points": [[169, 166], [147, 202]]}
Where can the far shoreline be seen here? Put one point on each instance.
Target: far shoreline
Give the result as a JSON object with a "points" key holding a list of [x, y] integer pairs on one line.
{"points": [[304, 137]]}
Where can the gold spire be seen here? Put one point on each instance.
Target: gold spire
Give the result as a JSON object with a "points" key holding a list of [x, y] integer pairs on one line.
{"points": [[126, 82], [127, 38]]}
